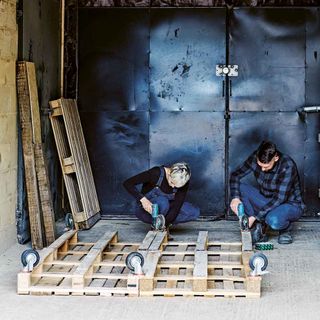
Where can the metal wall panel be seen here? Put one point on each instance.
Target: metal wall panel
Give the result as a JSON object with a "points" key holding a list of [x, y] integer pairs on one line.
{"points": [[185, 46], [198, 138], [278, 71], [118, 147], [249, 129], [269, 46], [312, 167], [313, 57], [113, 59]]}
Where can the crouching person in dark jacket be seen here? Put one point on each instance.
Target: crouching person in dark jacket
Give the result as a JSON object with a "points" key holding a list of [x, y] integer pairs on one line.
{"points": [[277, 202]]}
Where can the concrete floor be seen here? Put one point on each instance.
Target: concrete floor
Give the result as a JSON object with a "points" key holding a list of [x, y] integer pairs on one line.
{"points": [[290, 291]]}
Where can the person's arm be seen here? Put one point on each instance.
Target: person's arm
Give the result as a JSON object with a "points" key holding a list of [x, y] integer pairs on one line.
{"points": [[150, 176], [285, 181], [241, 171], [176, 204], [244, 169]]}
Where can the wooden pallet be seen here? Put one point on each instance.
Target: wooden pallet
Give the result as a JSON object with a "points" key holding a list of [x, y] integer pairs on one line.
{"points": [[201, 268], [75, 162], [38, 189]]}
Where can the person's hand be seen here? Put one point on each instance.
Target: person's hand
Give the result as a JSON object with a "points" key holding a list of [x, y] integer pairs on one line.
{"points": [[234, 205], [251, 221], [146, 204]]}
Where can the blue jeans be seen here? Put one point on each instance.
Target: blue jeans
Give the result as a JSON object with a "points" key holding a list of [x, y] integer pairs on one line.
{"points": [[279, 218], [188, 212]]}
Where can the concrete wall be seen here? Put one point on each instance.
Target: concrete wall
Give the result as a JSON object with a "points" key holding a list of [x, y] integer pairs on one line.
{"points": [[8, 123]]}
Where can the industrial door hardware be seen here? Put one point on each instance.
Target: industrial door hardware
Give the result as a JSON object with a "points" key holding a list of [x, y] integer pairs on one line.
{"points": [[311, 109], [230, 70]]}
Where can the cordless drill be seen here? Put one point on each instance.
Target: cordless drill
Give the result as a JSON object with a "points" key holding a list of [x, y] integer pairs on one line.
{"points": [[158, 220], [155, 213], [243, 218]]}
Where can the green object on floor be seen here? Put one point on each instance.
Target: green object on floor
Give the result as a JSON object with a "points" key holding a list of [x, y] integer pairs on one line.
{"points": [[264, 246]]}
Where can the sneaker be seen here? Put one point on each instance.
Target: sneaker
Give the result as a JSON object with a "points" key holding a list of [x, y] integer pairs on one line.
{"points": [[258, 233], [285, 236]]}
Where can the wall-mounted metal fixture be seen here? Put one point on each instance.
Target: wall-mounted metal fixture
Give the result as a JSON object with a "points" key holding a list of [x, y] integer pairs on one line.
{"points": [[311, 109], [230, 70]]}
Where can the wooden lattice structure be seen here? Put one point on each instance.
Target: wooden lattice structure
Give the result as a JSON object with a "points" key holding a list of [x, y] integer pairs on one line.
{"points": [[199, 268], [75, 164]]}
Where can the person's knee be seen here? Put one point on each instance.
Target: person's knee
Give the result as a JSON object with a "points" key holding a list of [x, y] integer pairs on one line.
{"points": [[196, 212], [275, 223], [245, 188], [163, 204], [143, 216]]}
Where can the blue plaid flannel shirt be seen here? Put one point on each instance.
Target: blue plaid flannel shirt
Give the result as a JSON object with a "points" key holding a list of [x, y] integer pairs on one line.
{"points": [[281, 184]]}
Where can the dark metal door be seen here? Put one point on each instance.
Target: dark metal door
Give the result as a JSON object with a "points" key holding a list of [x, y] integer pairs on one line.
{"points": [[278, 75], [148, 95], [186, 103]]}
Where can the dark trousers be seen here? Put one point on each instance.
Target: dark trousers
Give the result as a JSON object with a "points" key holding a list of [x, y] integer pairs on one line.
{"points": [[188, 212], [279, 218]]}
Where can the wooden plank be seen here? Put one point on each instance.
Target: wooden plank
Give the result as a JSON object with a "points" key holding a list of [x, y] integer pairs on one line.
{"points": [[200, 271], [147, 241], [67, 290], [188, 264], [34, 102], [86, 267], [246, 241], [191, 277], [34, 207], [149, 269], [45, 195], [160, 238], [41, 169], [41, 186], [202, 241], [209, 293]]}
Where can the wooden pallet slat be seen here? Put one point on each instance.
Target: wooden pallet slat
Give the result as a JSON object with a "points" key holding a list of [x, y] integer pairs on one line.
{"points": [[246, 241], [202, 241], [200, 271], [41, 169]]}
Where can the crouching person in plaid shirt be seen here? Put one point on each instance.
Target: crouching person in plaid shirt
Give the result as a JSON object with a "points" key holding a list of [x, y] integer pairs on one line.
{"points": [[277, 202]]}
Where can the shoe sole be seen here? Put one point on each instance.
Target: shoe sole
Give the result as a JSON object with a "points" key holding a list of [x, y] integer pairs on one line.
{"points": [[285, 241]]}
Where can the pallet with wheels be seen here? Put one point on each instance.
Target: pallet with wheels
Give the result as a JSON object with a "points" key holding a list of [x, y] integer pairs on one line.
{"points": [[202, 268], [155, 267]]}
